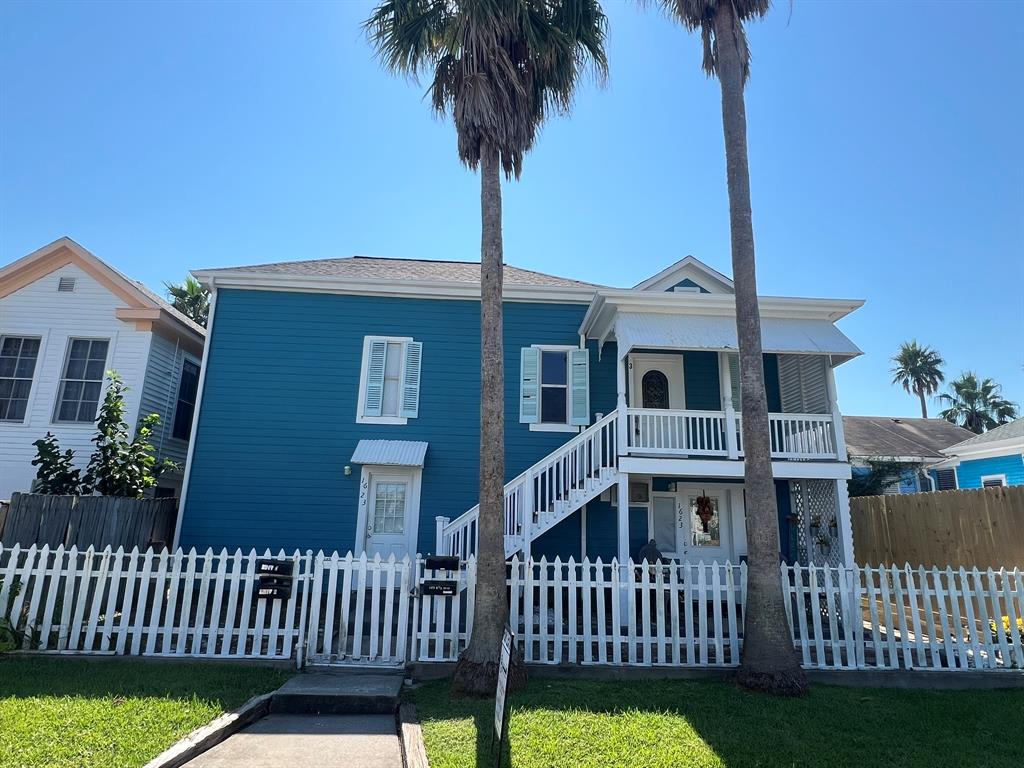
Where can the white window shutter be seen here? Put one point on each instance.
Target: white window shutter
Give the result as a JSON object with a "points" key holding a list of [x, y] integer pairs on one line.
{"points": [[529, 385], [579, 383], [374, 397], [410, 407]]}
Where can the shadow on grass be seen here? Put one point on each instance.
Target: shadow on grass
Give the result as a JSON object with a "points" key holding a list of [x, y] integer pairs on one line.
{"points": [[226, 684], [714, 723]]}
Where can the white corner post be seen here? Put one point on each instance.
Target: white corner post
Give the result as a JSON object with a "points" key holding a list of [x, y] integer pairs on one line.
{"points": [[194, 434], [725, 384], [441, 521], [621, 423], [837, 417], [845, 523], [623, 549]]}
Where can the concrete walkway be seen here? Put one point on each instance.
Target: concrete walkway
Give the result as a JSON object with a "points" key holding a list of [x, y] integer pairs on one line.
{"points": [[324, 741]]}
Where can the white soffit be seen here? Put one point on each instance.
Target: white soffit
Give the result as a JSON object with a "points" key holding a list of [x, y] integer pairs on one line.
{"points": [[787, 335], [391, 453]]}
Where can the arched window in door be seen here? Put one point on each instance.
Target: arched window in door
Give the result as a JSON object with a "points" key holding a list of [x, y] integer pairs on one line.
{"points": [[654, 389]]}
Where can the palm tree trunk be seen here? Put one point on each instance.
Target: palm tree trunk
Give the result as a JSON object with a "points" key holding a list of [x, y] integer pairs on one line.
{"points": [[477, 671], [769, 662], [924, 405]]}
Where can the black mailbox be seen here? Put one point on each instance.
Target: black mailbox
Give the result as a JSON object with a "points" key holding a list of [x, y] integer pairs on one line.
{"points": [[274, 587], [441, 563], [275, 567], [441, 587]]}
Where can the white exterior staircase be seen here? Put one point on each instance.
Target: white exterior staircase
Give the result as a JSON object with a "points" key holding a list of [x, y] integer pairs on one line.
{"points": [[546, 493]]}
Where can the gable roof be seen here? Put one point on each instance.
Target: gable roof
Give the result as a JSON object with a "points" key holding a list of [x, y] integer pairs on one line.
{"points": [[886, 436], [1013, 431], [382, 268], [688, 268], [142, 304]]}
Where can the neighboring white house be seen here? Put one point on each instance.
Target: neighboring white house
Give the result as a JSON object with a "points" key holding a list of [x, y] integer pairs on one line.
{"points": [[66, 318]]}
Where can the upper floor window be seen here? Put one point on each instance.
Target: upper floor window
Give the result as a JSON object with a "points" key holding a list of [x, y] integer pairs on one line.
{"points": [[389, 380], [554, 387], [188, 385], [18, 356], [82, 382]]}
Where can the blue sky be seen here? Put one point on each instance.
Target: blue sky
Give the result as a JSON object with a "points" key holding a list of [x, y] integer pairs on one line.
{"points": [[885, 157]]}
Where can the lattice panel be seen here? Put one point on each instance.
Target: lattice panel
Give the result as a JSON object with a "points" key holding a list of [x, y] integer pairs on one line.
{"points": [[817, 526]]}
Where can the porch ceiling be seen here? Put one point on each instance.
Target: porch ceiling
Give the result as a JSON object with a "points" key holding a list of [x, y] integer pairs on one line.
{"points": [[635, 330]]}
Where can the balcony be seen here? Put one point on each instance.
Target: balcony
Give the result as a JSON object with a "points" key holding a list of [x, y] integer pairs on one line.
{"points": [[718, 434]]}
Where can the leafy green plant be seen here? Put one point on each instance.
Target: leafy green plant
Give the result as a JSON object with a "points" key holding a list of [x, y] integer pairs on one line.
{"points": [[56, 473], [120, 466], [10, 638]]}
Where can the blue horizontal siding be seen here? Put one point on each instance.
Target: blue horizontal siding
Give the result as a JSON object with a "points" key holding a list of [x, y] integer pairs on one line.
{"points": [[277, 424], [970, 472]]}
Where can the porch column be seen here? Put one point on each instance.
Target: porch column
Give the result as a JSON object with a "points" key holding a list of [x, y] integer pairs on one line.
{"points": [[845, 533], [623, 550], [837, 417], [623, 519], [725, 384], [622, 431]]}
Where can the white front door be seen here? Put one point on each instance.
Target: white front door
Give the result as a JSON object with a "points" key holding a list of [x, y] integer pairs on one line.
{"points": [[390, 504], [703, 526], [657, 381]]}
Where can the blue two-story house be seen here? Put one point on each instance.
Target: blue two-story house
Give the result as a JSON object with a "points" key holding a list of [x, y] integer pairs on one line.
{"points": [[339, 409]]}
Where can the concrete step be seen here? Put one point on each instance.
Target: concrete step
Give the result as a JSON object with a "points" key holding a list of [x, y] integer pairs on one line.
{"points": [[342, 692]]}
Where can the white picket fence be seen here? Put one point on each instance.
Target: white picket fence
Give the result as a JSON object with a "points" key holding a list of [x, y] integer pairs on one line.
{"points": [[152, 603], [906, 618], [369, 611]]}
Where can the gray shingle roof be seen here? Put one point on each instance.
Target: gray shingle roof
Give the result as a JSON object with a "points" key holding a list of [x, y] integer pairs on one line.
{"points": [[374, 268], [889, 436], [1005, 432]]}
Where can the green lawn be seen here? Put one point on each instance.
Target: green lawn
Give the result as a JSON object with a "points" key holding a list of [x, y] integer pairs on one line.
{"points": [[78, 712], [663, 724]]}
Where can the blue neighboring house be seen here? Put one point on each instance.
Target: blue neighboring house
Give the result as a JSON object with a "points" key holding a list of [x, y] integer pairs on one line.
{"points": [[339, 408], [913, 443], [994, 458]]}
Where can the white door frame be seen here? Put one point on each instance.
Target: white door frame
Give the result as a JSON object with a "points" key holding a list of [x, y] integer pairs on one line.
{"points": [[412, 503], [669, 364], [730, 515]]}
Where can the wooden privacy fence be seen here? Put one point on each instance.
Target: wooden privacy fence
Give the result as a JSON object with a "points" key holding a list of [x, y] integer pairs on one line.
{"points": [[88, 521], [971, 528], [368, 611]]}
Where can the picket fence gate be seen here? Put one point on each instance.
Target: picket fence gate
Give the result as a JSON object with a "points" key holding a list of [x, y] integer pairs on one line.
{"points": [[348, 610]]}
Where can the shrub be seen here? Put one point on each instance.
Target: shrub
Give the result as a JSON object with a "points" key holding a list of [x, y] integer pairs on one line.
{"points": [[56, 473]]}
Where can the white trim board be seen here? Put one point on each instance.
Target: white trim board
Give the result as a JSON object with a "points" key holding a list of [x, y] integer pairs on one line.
{"points": [[788, 470]]}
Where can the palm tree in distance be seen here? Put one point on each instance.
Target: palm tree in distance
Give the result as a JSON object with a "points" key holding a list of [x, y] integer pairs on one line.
{"points": [[977, 405], [498, 68], [191, 299], [769, 662], [918, 370]]}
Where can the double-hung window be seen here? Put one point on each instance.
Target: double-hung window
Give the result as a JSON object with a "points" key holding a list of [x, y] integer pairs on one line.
{"points": [[18, 356], [82, 382], [188, 385], [389, 380], [554, 388]]}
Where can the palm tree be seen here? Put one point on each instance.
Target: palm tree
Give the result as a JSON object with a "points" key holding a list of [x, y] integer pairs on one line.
{"points": [[769, 662], [919, 370], [498, 67], [976, 405], [191, 299]]}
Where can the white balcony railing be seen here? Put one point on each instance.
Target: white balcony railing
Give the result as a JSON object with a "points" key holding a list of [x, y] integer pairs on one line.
{"points": [[657, 432]]}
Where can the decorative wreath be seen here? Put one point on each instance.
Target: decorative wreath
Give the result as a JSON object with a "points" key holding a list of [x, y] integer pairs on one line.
{"points": [[705, 510]]}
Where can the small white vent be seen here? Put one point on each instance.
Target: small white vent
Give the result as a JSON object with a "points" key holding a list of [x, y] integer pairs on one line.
{"points": [[686, 289], [66, 285]]}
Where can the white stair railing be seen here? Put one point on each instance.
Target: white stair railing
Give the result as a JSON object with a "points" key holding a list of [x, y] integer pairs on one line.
{"points": [[545, 494]]}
